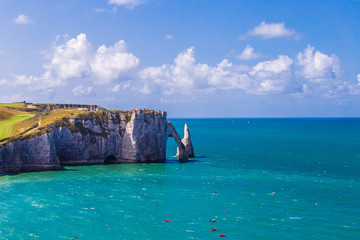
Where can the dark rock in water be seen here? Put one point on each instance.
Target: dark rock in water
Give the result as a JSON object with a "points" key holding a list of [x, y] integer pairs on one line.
{"points": [[187, 143], [117, 139]]}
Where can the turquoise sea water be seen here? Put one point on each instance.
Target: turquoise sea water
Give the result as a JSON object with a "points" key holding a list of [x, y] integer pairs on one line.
{"points": [[259, 178]]}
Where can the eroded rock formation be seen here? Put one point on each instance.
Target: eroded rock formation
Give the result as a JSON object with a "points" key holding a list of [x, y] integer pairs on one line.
{"points": [[189, 150], [138, 137]]}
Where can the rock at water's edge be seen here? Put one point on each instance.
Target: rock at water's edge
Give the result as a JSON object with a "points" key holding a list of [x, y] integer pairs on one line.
{"points": [[187, 143]]}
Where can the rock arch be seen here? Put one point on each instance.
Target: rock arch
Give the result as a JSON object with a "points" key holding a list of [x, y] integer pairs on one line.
{"points": [[182, 155]]}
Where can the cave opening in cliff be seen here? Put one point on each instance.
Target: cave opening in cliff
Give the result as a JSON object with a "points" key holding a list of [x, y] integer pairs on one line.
{"points": [[110, 159]]}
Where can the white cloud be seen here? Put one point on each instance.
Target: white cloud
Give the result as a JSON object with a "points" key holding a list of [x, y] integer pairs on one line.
{"points": [[71, 60], [116, 88], [75, 59], [270, 30], [22, 19], [313, 72], [182, 76], [109, 63], [187, 76], [99, 10], [169, 36], [45, 81], [119, 87], [248, 54], [4, 82], [130, 4], [317, 66], [274, 77], [281, 64], [82, 91], [322, 74]]}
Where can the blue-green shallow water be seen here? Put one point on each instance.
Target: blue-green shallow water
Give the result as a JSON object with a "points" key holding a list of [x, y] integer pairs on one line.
{"points": [[277, 179]]}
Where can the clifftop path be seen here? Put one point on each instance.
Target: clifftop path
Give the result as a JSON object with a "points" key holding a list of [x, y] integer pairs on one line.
{"points": [[48, 136]]}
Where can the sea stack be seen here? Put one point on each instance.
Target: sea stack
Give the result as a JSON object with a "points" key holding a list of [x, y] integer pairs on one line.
{"points": [[187, 143]]}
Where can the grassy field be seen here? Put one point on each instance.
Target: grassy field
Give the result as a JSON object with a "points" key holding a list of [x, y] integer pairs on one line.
{"points": [[20, 104], [20, 121], [7, 126]]}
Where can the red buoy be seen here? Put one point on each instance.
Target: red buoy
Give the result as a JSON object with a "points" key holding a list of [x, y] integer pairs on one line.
{"points": [[222, 235]]}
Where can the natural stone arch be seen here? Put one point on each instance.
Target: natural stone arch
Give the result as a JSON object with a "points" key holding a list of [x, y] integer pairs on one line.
{"points": [[172, 133]]}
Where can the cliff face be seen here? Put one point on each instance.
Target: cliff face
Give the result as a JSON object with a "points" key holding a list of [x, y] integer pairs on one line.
{"points": [[120, 138]]}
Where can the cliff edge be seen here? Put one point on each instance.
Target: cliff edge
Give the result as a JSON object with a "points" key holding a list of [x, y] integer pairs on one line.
{"points": [[59, 135]]}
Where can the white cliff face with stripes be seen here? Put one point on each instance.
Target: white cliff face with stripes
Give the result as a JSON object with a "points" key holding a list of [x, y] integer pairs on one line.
{"points": [[140, 139]]}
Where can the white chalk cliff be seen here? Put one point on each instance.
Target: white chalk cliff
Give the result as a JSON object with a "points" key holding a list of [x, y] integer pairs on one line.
{"points": [[118, 139]]}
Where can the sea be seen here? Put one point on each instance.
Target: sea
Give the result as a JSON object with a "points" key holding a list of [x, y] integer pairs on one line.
{"points": [[257, 178]]}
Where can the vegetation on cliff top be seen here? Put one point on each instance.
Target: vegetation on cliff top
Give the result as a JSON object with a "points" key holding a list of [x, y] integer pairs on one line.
{"points": [[23, 120]]}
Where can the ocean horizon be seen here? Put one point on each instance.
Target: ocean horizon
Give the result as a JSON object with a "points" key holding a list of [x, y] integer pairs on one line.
{"points": [[259, 178]]}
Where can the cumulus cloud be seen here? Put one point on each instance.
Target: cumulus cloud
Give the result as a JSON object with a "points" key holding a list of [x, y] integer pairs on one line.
{"points": [[130, 4], [82, 91], [282, 63], [317, 66], [248, 54], [187, 76], [182, 76], [119, 87], [274, 76], [43, 82], [323, 74], [269, 30], [109, 63], [22, 19], [71, 60], [76, 59]]}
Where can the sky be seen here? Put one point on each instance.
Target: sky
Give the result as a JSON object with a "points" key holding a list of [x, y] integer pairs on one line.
{"points": [[191, 58]]}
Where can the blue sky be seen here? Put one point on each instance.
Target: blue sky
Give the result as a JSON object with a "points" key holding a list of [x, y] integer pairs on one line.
{"points": [[192, 58]]}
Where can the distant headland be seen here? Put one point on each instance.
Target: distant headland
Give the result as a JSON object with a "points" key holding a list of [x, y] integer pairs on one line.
{"points": [[48, 136]]}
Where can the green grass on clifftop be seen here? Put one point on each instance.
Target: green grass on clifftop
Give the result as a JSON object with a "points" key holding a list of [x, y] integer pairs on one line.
{"points": [[19, 121], [7, 126]]}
